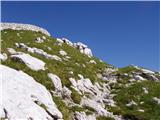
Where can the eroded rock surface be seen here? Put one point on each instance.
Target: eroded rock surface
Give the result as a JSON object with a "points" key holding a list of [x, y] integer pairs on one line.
{"points": [[24, 98], [16, 26]]}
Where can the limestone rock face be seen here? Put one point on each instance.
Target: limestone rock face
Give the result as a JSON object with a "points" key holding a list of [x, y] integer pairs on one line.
{"points": [[32, 62], [56, 81], [83, 116], [24, 98], [16, 26], [3, 56]]}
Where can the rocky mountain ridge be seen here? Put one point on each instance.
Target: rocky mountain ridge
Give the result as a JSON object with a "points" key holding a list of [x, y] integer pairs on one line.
{"points": [[49, 78], [14, 26]]}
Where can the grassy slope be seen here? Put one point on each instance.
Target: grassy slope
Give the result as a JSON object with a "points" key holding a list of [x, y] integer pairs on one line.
{"points": [[62, 69], [136, 93]]}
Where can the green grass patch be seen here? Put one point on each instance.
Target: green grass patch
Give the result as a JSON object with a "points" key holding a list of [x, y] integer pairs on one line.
{"points": [[136, 93], [104, 118]]}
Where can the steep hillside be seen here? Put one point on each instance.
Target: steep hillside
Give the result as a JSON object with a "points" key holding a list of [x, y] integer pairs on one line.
{"points": [[43, 77]]}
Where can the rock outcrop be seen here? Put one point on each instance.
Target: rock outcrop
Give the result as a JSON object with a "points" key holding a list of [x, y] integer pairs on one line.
{"points": [[32, 62], [80, 46], [24, 98], [3, 56], [16, 26]]}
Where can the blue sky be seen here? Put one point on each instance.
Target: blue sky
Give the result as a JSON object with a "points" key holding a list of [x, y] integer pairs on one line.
{"points": [[120, 33]]}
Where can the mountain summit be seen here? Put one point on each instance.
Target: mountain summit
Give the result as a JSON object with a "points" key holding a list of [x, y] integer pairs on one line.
{"points": [[47, 78]]}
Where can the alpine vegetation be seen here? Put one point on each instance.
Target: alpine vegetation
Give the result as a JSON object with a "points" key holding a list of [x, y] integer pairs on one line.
{"points": [[47, 78]]}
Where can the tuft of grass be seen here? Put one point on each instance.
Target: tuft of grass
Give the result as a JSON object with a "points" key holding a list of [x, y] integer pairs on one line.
{"points": [[77, 108], [89, 108], [67, 113], [43, 106], [127, 69], [104, 118], [76, 97]]}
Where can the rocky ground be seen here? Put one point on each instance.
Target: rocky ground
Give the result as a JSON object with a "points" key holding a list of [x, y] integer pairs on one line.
{"points": [[49, 78]]}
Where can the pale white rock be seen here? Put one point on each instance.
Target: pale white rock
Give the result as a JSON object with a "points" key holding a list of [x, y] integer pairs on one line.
{"points": [[30, 50], [145, 90], [86, 83], [73, 82], [71, 72], [92, 61], [22, 96], [96, 106], [66, 93], [156, 100], [62, 52], [147, 71], [141, 102], [153, 77], [11, 50], [59, 40], [18, 34], [97, 92], [111, 79], [100, 61], [88, 52], [132, 80], [107, 75], [17, 26], [125, 74], [83, 48], [99, 75], [2, 112], [43, 37], [21, 45], [137, 77], [3, 56], [83, 116], [39, 52], [110, 102], [103, 94], [39, 40], [74, 85], [77, 64], [140, 110], [80, 76], [80, 45], [17, 45], [68, 42], [84, 65], [131, 103], [67, 57], [128, 84], [32, 62], [56, 81], [49, 48], [110, 70], [55, 57]]}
